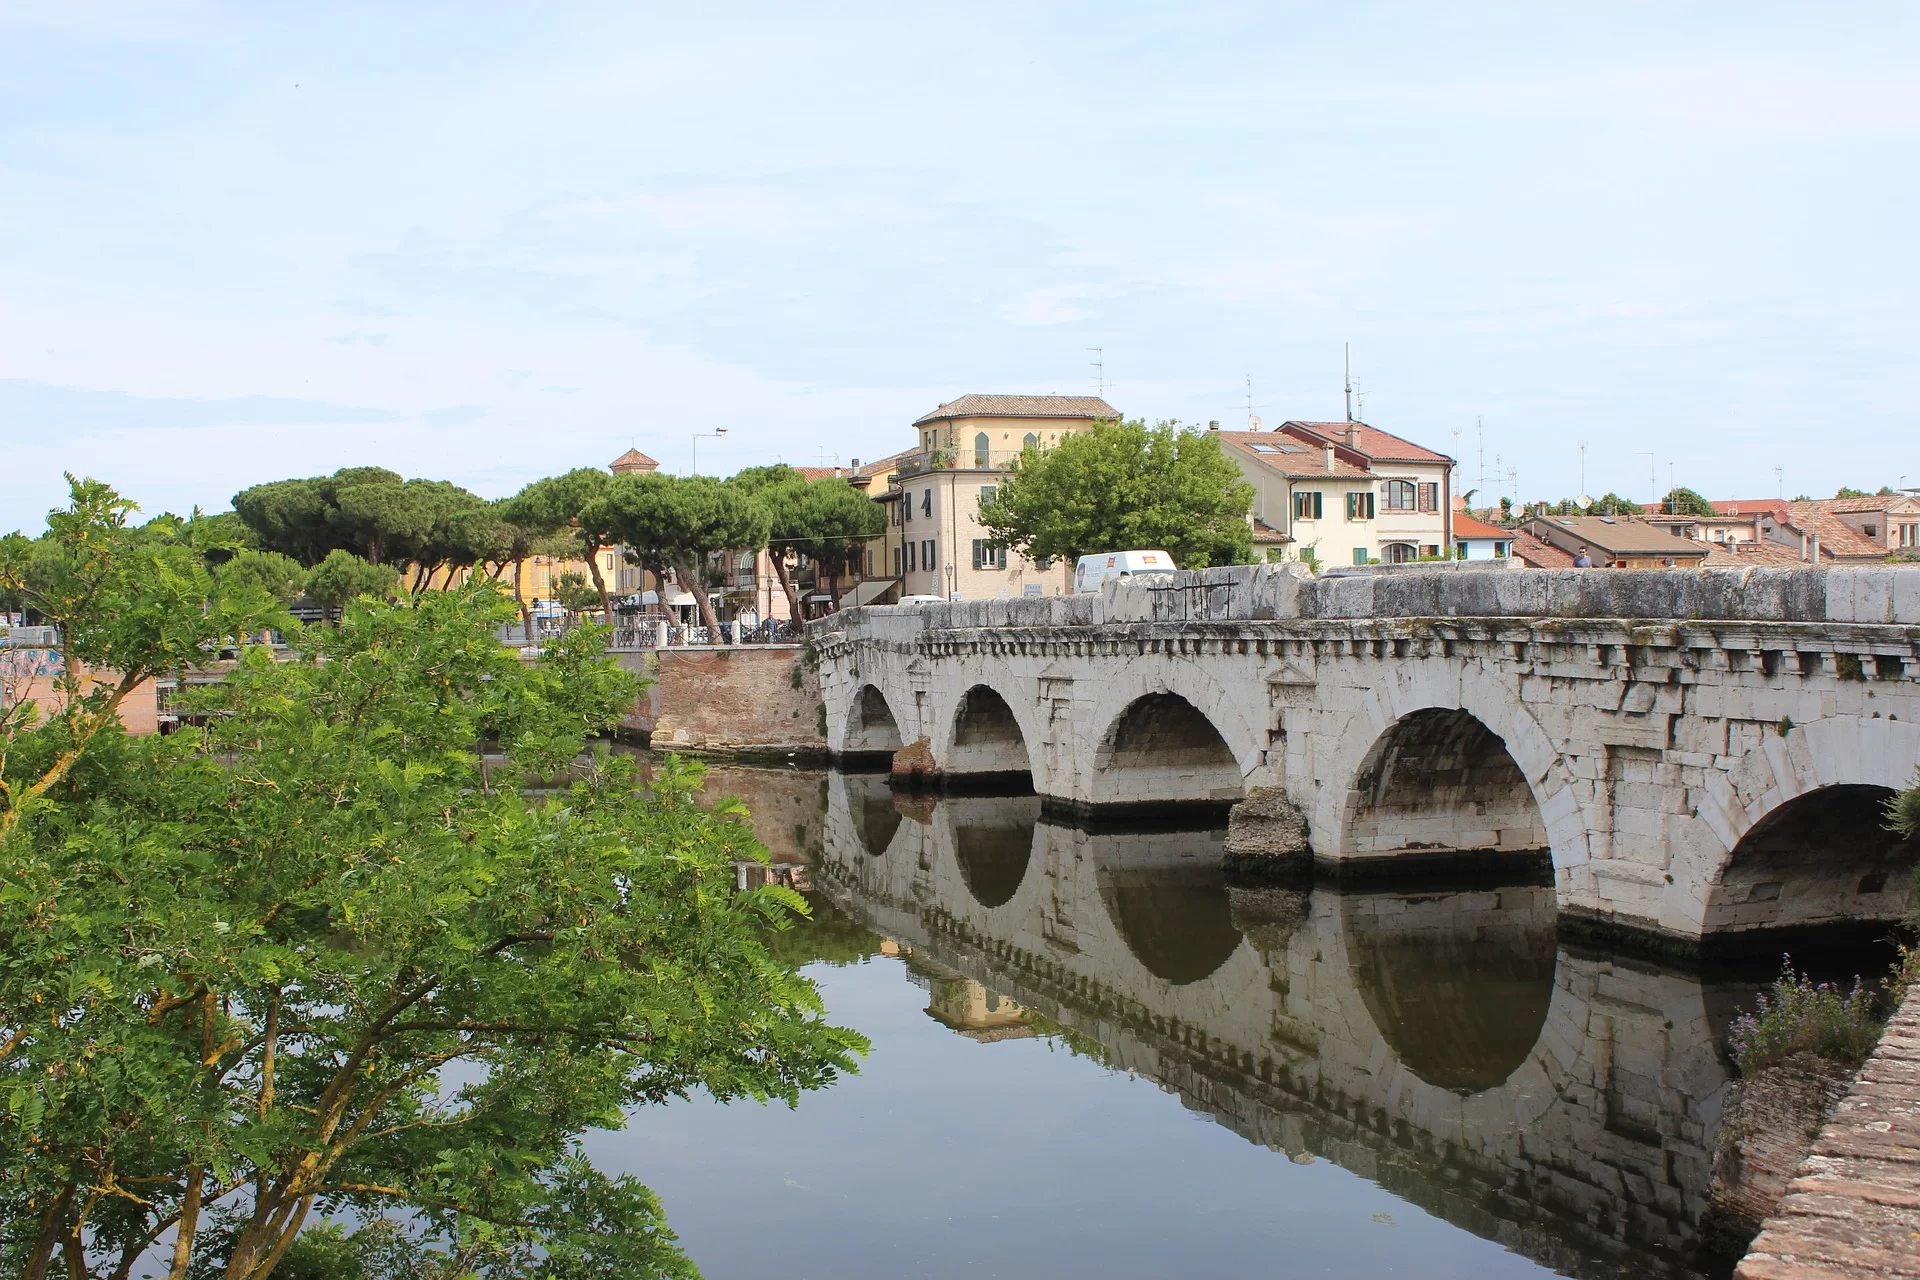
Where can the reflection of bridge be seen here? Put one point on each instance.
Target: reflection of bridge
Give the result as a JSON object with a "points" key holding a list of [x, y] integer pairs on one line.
{"points": [[1437, 1044], [1675, 768]]}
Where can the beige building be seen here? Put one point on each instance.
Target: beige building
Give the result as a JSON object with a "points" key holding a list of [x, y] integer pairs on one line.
{"points": [[988, 432], [1344, 493]]}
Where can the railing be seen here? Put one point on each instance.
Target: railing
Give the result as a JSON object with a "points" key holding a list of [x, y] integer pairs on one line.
{"points": [[651, 635]]}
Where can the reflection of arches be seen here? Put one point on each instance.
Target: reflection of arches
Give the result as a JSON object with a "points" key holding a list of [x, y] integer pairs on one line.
{"points": [[870, 725], [1167, 898], [1458, 985], [1163, 749], [993, 843], [874, 815], [1439, 779], [1823, 857], [986, 737]]}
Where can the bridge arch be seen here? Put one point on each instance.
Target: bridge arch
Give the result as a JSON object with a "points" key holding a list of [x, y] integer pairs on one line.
{"points": [[986, 737], [871, 726], [1439, 779], [1174, 737], [1437, 709]]}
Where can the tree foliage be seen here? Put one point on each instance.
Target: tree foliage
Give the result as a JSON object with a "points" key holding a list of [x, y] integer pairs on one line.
{"points": [[279, 576], [376, 515], [1685, 502], [826, 520], [675, 522], [1612, 504], [343, 576], [558, 505], [1121, 486], [311, 961]]}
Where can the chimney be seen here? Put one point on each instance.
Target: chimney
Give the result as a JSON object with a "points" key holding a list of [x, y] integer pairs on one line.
{"points": [[1329, 458], [856, 464], [1353, 435], [1213, 424]]}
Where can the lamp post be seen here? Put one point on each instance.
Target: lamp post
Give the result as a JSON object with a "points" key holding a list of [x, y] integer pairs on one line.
{"points": [[698, 436]]}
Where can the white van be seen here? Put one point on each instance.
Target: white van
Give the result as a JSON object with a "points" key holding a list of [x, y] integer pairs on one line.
{"points": [[1093, 571]]}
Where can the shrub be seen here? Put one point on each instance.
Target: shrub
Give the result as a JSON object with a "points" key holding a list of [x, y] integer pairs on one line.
{"points": [[1799, 1015]]}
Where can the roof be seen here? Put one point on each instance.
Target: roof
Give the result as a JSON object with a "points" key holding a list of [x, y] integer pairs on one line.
{"points": [[1465, 526], [1536, 554], [1264, 532], [823, 473], [976, 406], [632, 460], [1837, 540], [1297, 461], [1747, 555], [1749, 506], [1370, 440], [882, 465], [1622, 536], [1875, 503]]}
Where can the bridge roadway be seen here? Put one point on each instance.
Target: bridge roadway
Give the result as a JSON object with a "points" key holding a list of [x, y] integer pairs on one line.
{"points": [[1439, 1044], [1701, 754]]}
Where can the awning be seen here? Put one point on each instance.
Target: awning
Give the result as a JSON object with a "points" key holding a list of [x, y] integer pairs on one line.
{"points": [[676, 596], [867, 592]]}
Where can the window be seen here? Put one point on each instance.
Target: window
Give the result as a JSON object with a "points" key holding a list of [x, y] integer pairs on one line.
{"points": [[906, 508], [987, 493], [1360, 553], [1400, 495], [867, 563], [1400, 552], [926, 503], [1910, 535], [987, 557], [899, 561], [1499, 550], [1430, 496], [1030, 441], [980, 450], [1306, 506], [1871, 530], [926, 555], [1360, 506], [1431, 549]]}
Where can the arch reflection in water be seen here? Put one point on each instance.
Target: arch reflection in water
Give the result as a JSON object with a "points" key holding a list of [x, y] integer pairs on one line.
{"points": [[1457, 984], [1167, 897], [993, 843], [875, 815]]}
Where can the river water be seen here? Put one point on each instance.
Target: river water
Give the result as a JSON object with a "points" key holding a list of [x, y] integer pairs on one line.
{"points": [[1092, 1056]]}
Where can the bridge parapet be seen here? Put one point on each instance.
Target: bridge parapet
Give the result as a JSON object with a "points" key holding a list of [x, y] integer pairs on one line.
{"points": [[1888, 594]]}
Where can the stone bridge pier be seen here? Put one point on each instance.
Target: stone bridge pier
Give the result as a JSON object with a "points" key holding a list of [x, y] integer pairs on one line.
{"points": [[1698, 755]]}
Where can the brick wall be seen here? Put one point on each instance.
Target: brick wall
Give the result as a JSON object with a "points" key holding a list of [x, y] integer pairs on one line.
{"points": [[764, 697]]}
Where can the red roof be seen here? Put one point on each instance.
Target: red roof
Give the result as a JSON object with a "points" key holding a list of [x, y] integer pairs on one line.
{"points": [[1372, 441], [1304, 461], [1837, 539], [1465, 526], [1536, 554], [1746, 555], [1750, 506]]}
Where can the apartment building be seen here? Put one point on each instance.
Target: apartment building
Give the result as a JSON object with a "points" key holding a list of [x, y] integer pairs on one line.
{"points": [[1345, 492], [984, 433]]}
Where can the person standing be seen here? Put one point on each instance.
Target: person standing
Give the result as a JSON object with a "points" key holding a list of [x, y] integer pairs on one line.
{"points": [[1583, 560]]}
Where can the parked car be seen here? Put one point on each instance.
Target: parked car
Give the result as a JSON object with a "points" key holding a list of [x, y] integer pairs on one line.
{"points": [[1093, 572], [921, 600]]}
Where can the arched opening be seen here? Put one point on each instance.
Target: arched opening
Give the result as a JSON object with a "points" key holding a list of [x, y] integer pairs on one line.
{"points": [[987, 742], [1400, 553], [1162, 750], [1029, 441], [871, 807], [981, 451], [1167, 898], [993, 844], [871, 728], [1822, 858], [1458, 984], [1440, 781]]}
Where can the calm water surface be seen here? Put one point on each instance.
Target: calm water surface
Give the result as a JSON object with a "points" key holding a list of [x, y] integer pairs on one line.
{"points": [[1092, 1057]]}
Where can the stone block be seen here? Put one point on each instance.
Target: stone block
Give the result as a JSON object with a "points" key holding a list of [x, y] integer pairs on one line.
{"points": [[1906, 595], [1406, 595]]}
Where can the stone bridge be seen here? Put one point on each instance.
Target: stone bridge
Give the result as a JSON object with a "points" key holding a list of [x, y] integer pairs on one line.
{"points": [[1698, 753], [1440, 1044]]}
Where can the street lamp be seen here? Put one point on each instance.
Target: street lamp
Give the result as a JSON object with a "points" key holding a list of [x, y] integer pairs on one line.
{"points": [[698, 436]]}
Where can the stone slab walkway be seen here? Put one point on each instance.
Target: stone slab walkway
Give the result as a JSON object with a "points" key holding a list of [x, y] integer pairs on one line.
{"points": [[1853, 1210]]}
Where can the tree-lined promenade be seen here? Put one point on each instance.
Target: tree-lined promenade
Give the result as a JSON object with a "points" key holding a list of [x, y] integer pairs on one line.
{"points": [[301, 988]]}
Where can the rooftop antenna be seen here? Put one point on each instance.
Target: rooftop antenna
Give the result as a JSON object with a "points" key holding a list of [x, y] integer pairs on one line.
{"points": [[1780, 483], [1099, 363], [1348, 348], [1653, 482], [1581, 445], [1480, 431]]}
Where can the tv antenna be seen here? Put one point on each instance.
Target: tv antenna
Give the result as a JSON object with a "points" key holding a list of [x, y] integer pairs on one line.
{"points": [[1347, 347], [1253, 419], [1480, 432], [1099, 363], [1780, 483], [1581, 445]]}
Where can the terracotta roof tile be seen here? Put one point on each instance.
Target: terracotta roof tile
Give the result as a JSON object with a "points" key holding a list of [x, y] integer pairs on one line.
{"points": [[1747, 555], [1837, 541], [1465, 526], [1622, 536], [1536, 554], [1371, 441], [977, 406], [1857, 506], [1749, 506], [1300, 462], [1264, 532]]}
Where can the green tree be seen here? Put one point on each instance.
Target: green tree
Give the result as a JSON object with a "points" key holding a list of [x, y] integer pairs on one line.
{"points": [[370, 511], [1848, 492], [1685, 502], [280, 577], [1123, 486], [343, 576], [557, 505], [575, 593], [1886, 491], [676, 522], [827, 520], [311, 958], [1612, 504]]}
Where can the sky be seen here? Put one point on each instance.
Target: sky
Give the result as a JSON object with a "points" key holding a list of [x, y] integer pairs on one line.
{"points": [[487, 243]]}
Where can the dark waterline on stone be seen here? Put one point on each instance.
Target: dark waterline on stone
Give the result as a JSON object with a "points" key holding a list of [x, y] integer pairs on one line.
{"points": [[1392, 1080]]}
